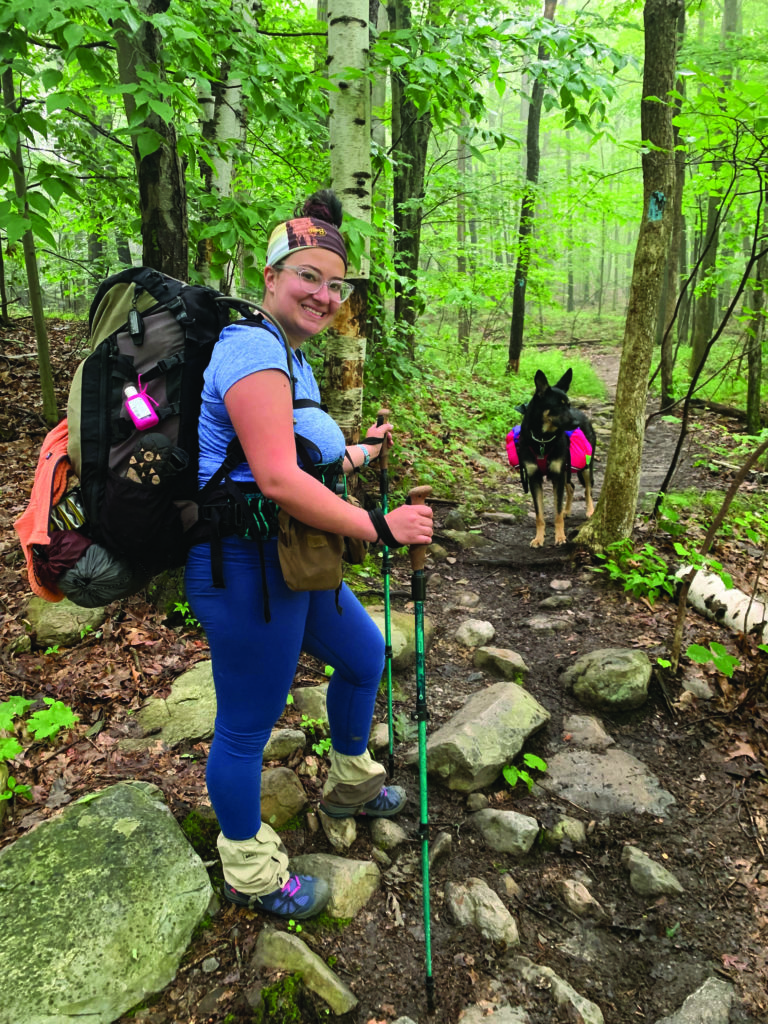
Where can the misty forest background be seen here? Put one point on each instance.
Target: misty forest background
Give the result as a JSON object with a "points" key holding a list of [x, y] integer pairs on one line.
{"points": [[513, 174]]}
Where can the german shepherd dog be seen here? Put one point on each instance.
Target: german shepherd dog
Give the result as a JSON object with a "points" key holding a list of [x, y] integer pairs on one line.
{"points": [[544, 451]]}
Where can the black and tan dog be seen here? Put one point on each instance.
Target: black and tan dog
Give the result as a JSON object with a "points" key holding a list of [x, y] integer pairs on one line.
{"points": [[544, 450]]}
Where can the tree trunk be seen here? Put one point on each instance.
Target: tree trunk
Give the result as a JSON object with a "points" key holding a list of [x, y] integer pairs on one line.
{"points": [[162, 191], [462, 264], [707, 304], [755, 335], [410, 138], [50, 409], [350, 146], [527, 212], [4, 321], [672, 279], [615, 514]]}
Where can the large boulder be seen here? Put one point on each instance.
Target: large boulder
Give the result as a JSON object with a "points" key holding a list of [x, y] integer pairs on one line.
{"points": [[99, 906], [615, 679], [470, 750]]}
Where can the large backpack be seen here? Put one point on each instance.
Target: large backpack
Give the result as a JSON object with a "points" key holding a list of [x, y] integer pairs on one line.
{"points": [[128, 497]]}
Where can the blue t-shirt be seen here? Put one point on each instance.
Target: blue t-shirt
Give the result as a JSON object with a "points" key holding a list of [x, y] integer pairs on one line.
{"points": [[242, 349]]}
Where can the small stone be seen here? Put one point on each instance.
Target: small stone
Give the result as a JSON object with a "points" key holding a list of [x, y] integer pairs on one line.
{"points": [[560, 585], [477, 802], [210, 964]]}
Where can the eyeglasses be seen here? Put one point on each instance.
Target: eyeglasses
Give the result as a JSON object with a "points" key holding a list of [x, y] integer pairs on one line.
{"points": [[338, 289]]}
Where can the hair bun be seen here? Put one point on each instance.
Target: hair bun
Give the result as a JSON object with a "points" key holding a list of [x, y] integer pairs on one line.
{"points": [[324, 205]]}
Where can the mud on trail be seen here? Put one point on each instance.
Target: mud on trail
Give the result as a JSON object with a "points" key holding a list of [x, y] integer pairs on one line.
{"points": [[645, 956]]}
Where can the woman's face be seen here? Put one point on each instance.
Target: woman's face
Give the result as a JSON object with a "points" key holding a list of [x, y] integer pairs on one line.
{"points": [[302, 315]]}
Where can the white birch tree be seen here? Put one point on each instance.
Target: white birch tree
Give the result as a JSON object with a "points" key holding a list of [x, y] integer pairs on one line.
{"points": [[350, 150]]}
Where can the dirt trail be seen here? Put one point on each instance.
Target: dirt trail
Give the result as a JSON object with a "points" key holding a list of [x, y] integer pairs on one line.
{"points": [[641, 961]]}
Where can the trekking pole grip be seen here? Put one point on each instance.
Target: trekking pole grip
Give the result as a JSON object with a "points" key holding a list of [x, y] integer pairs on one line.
{"points": [[418, 552], [382, 416]]}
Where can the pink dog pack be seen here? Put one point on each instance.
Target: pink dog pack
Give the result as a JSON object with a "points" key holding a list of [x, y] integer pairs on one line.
{"points": [[581, 450]]}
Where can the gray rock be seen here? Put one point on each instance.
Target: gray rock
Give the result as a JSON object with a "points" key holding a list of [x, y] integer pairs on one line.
{"points": [[310, 701], [498, 1015], [282, 796], [710, 1004], [281, 951], [283, 744], [403, 636], [547, 624], [352, 882], [387, 834], [557, 601], [579, 899], [61, 623], [437, 552], [81, 891], [506, 831], [341, 833], [187, 713], [586, 733], [475, 632], [474, 904], [561, 585], [614, 679], [502, 663], [454, 520], [611, 783], [566, 830], [545, 980], [646, 876], [379, 737], [467, 541], [440, 848], [471, 749]]}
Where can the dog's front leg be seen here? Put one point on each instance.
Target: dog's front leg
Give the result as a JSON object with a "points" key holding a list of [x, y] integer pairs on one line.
{"points": [[537, 493], [557, 473]]}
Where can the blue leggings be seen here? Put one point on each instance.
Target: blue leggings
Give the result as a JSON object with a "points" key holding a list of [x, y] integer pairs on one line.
{"points": [[254, 663]]}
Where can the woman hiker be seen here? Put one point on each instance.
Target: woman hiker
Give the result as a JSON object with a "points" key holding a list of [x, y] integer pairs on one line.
{"points": [[247, 393]]}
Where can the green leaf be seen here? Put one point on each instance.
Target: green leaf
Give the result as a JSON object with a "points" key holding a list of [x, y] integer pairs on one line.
{"points": [[47, 723], [57, 101], [148, 141], [12, 708], [14, 227], [9, 748], [50, 78]]}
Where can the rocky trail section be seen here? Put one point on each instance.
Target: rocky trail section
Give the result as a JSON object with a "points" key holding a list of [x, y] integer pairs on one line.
{"points": [[628, 884]]}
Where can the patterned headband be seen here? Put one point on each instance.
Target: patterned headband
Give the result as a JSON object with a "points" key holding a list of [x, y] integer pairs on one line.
{"points": [[304, 233]]}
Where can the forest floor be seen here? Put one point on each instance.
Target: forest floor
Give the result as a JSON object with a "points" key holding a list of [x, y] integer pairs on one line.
{"points": [[709, 755]]}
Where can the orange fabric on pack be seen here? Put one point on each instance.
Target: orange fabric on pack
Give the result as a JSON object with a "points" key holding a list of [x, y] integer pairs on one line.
{"points": [[51, 478]]}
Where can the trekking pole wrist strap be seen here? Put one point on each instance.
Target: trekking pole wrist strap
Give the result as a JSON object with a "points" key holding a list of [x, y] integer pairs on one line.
{"points": [[382, 529]]}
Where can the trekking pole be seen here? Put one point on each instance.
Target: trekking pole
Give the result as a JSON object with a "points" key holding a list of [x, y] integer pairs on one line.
{"points": [[383, 417], [418, 553]]}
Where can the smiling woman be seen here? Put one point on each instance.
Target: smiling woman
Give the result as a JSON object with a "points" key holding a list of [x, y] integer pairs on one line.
{"points": [[256, 625]]}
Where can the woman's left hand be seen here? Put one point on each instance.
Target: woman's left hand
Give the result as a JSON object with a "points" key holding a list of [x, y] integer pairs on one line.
{"points": [[382, 430]]}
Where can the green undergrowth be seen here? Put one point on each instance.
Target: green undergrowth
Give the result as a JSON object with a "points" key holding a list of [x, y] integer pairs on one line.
{"points": [[452, 420]]}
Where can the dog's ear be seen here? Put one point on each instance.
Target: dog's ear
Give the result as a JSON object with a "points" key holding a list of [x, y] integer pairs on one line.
{"points": [[565, 381], [541, 382]]}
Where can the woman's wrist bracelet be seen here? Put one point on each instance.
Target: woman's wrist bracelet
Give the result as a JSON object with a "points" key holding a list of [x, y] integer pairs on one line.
{"points": [[382, 529], [366, 454]]}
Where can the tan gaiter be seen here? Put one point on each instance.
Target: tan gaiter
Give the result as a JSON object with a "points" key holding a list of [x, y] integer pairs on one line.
{"points": [[353, 780], [256, 866]]}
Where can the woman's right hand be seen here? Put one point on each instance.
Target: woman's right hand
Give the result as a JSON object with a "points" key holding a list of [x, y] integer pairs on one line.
{"points": [[411, 524]]}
